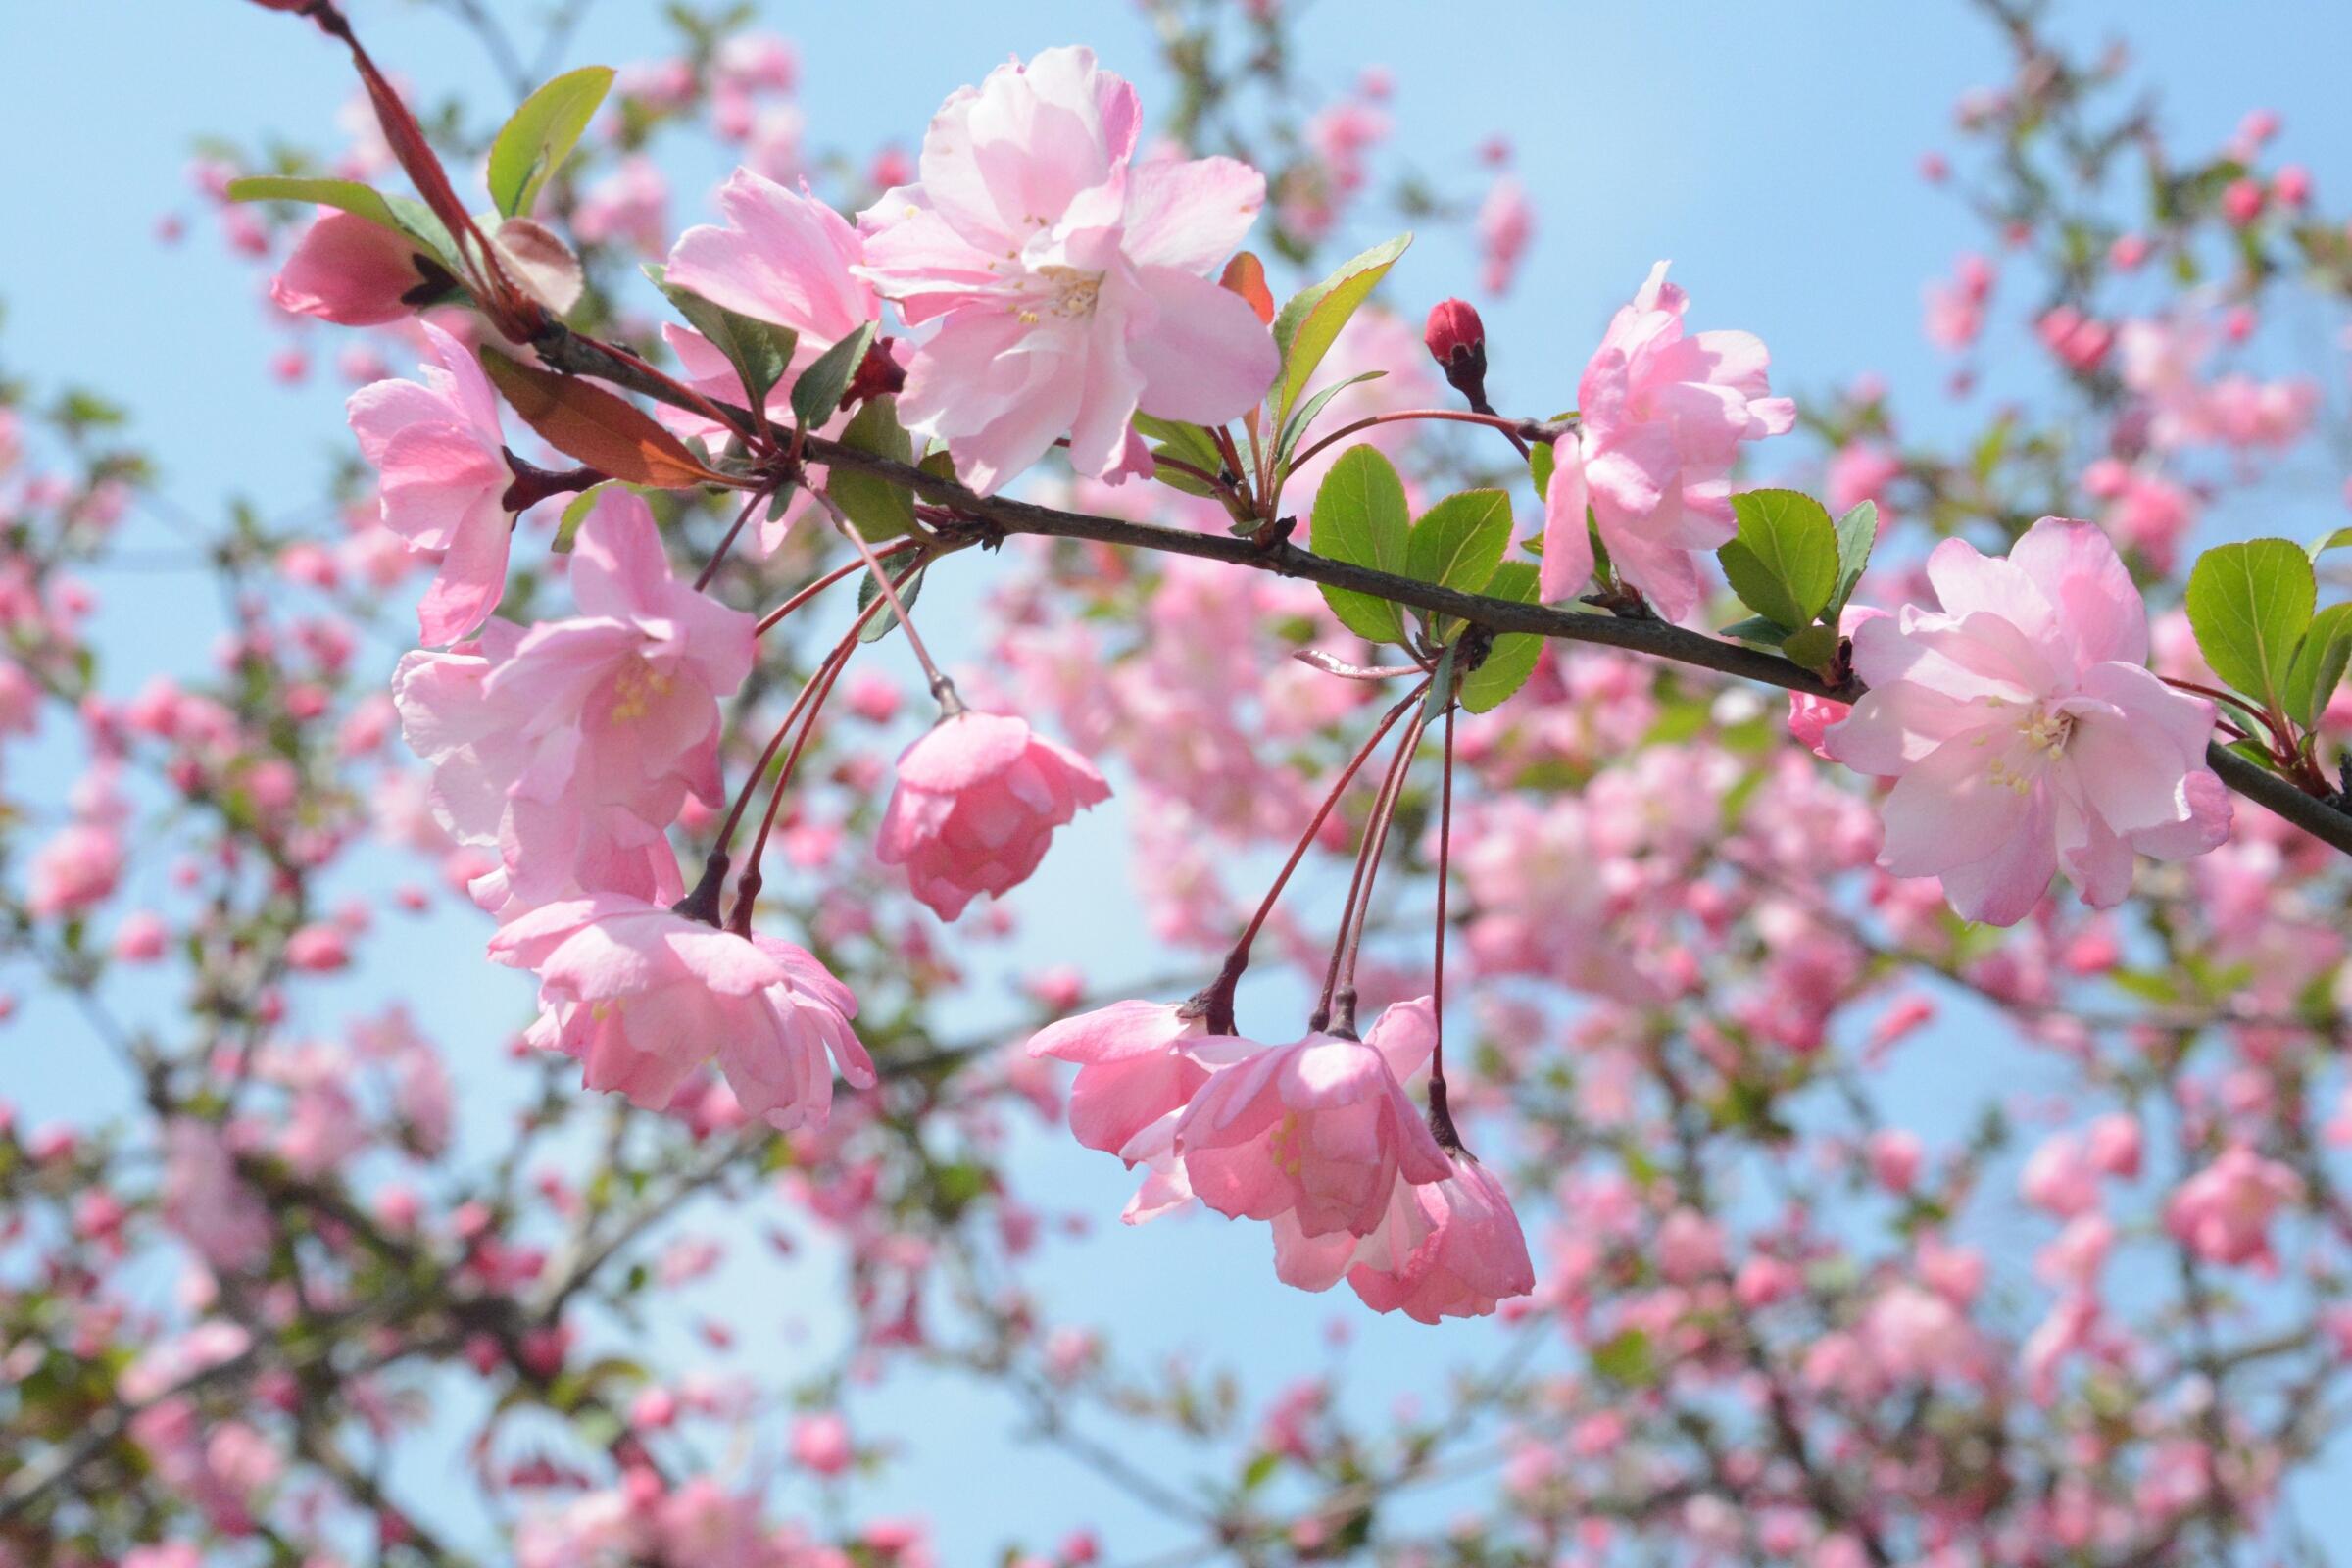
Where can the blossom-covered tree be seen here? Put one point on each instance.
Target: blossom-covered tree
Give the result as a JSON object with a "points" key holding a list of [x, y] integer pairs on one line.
{"points": [[1681, 801]]}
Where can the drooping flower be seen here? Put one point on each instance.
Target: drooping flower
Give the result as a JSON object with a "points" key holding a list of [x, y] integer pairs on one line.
{"points": [[1311, 1136], [2024, 729], [439, 453], [1445, 1248], [348, 271], [978, 798], [572, 747], [643, 996], [1070, 285], [1659, 417], [1133, 1067]]}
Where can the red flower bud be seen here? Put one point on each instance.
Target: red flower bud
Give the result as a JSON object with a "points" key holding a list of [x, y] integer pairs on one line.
{"points": [[1457, 340]]}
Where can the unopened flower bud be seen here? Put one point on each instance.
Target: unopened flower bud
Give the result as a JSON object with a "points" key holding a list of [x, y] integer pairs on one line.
{"points": [[1457, 341]]}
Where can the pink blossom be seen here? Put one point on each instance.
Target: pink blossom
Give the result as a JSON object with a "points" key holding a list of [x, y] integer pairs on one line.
{"points": [[572, 747], [2023, 728], [643, 996], [348, 271], [782, 257], [2222, 1214], [74, 870], [1447, 1248], [821, 1444], [1133, 1068], [1071, 286], [978, 798], [1661, 415], [205, 1203], [1506, 223], [1312, 1136], [439, 453]]}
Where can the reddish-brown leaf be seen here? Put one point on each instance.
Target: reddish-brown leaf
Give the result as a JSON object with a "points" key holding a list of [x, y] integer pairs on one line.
{"points": [[607, 432], [1245, 275]]}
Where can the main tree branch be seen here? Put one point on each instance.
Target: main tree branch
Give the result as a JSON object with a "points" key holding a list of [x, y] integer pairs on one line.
{"points": [[566, 351]]}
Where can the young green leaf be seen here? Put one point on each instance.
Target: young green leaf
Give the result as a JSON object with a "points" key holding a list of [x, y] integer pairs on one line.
{"points": [[1540, 460], [1460, 541], [1440, 685], [1187, 443], [1857, 532], [1360, 516], [2334, 540], [818, 393], [880, 509], [575, 513], [2319, 665], [1512, 656], [1309, 323], [345, 195], [1757, 629], [2249, 605], [760, 351], [533, 144], [1299, 422], [1784, 563], [869, 589]]}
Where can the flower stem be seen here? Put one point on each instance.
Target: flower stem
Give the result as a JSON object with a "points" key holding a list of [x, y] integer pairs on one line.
{"points": [[941, 687]]}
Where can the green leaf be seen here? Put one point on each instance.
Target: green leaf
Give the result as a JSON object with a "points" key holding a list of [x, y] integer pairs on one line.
{"points": [[533, 144], [880, 509], [1360, 518], [1540, 460], [1857, 532], [760, 351], [1305, 327], [1624, 1358], [1784, 563], [1306, 416], [345, 195], [575, 513], [1759, 629], [1440, 685], [1187, 443], [2319, 665], [2249, 605], [1513, 654], [1460, 541], [2318, 547], [818, 393], [1812, 646], [869, 589]]}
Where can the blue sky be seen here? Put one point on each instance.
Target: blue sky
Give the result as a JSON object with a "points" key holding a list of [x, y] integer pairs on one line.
{"points": [[1770, 151]]}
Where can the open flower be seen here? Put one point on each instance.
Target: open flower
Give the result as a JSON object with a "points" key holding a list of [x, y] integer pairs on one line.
{"points": [[1449, 1249], [574, 745], [2224, 1212], [1311, 1136], [2023, 728], [1659, 417], [1070, 285], [643, 996], [440, 458], [978, 799], [1133, 1067]]}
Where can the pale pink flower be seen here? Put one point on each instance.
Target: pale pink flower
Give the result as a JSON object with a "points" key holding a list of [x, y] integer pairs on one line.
{"points": [[2024, 730], [978, 798], [1311, 1136], [74, 871], [2222, 1214], [1506, 223], [1133, 1067], [782, 257], [348, 271], [643, 996], [1660, 415], [630, 205], [439, 453], [1447, 1248], [573, 747], [1071, 286], [203, 1201], [821, 1444]]}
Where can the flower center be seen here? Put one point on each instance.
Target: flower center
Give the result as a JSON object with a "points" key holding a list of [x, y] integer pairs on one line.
{"points": [[636, 686], [1072, 294], [1282, 1142], [2042, 731]]}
